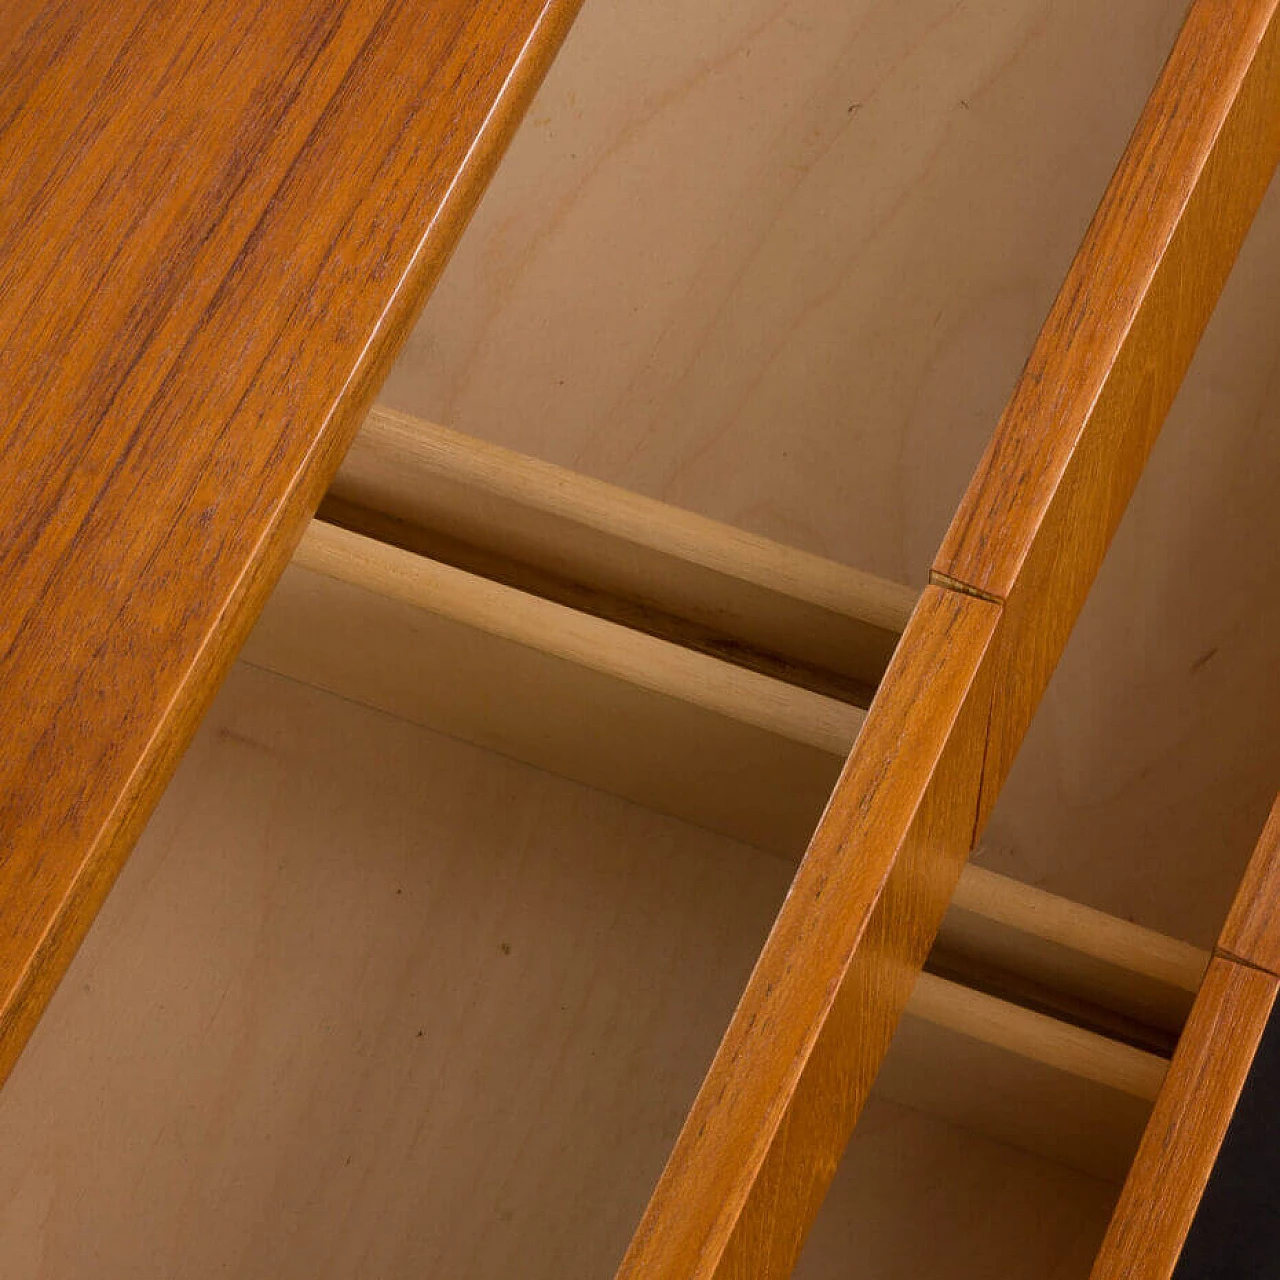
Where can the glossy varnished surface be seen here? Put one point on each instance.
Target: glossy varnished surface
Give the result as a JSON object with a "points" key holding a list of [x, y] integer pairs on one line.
{"points": [[867, 208], [771, 1120], [1188, 1124], [761, 1142], [219, 221]]}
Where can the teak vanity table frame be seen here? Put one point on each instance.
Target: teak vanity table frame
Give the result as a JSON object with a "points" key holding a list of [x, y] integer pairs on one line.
{"points": [[217, 236]]}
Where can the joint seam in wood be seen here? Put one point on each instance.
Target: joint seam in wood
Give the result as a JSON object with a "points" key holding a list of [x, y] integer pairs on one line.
{"points": [[1230, 956], [962, 588]]}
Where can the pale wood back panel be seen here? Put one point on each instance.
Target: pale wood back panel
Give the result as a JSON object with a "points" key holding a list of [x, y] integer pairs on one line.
{"points": [[370, 1001], [702, 276]]}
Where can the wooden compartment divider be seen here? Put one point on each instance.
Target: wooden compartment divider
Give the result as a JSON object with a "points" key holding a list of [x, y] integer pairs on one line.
{"points": [[220, 224], [1209, 1069], [692, 735], [702, 737], [767, 1129]]}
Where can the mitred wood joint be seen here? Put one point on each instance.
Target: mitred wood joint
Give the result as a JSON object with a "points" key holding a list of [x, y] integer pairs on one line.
{"points": [[962, 588]]}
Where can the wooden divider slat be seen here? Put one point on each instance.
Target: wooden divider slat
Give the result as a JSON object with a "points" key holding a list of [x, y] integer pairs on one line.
{"points": [[764, 1135], [219, 223], [1199, 1094], [1056, 478], [1190, 1119], [774, 1113]]}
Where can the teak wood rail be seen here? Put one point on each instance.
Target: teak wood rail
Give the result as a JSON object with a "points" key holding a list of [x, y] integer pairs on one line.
{"points": [[1191, 1115], [764, 1136], [219, 225]]}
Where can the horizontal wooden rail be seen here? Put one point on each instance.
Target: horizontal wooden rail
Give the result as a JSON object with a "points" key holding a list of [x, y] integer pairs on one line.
{"points": [[764, 1136], [220, 223], [586, 641], [1033, 1035], [676, 730], [570, 538]]}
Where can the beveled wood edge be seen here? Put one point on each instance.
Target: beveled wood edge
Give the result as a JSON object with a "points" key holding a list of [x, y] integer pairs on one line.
{"points": [[27, 992]]}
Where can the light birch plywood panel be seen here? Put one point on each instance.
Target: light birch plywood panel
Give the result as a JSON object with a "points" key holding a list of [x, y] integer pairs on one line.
{"points": [[1150, 767], [370, 1001], [782, 263]]}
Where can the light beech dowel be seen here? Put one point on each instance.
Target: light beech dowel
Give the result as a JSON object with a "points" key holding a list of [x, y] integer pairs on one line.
{"points": [[513, 516], [1072, 924], [589, 642], [397, 444], [1038, 1037]]}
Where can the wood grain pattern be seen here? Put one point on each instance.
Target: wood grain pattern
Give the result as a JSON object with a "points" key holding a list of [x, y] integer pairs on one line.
{"points": [[1203, 153], [1050, 490], [231, 1079], [1252, 929], [867, 207], [1188, 1124], [763, 1138], [219, 224]]}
